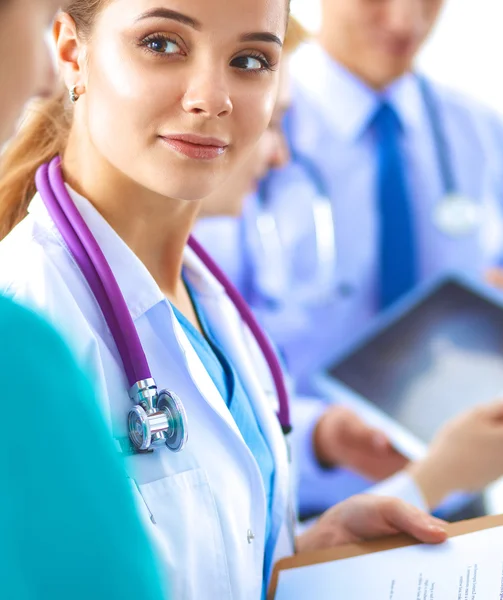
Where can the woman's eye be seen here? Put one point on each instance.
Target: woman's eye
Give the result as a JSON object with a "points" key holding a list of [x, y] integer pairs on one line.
{"points": [[250, 63], [163, 46]]}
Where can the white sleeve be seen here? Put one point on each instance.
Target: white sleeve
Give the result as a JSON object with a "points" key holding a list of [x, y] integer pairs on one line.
{"points": [[401, 486]]}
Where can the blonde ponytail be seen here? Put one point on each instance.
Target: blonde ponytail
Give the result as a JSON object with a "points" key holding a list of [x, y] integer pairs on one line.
{"points": [[42, 136]]}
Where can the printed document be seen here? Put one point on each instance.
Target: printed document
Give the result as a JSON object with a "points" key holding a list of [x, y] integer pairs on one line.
{"points": [[467, 567]]}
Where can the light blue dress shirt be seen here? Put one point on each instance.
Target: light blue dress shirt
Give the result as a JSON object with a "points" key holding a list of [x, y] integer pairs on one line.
{"points": [[331, 112]]}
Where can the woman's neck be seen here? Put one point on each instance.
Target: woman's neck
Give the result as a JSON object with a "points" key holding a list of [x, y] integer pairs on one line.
{"points": [[156, 228]]}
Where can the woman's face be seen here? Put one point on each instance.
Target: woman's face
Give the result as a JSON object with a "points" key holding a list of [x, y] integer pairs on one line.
{"points": [[177, 92], [26, 67]]}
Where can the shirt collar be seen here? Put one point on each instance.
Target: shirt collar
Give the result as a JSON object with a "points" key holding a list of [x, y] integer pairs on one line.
{"points": [[199, 276], [138, 287], [330, 84]]}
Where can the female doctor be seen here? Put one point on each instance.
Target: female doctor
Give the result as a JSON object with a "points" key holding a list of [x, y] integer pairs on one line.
{"points": [[165, 100]]}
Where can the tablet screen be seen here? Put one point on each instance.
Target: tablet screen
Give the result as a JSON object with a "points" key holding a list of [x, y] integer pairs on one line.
{"points": [[441, 357]]}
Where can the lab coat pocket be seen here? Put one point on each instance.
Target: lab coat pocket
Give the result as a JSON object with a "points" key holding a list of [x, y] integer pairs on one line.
{"points": [[187, 526]]}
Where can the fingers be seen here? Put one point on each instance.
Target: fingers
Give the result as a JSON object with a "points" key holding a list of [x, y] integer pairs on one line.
{"points": [[407, 519], [495, 277], [379, 441], [362, 436]]}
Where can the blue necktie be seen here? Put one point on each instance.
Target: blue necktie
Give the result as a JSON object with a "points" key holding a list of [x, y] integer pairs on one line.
{"points": [[397, 244]]}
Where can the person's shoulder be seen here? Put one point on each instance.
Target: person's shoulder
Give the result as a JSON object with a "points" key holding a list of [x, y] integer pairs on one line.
{"points": [[21, 253], [37, 271], [17, 318], [13, 316], [471, 123], [26, 337], [464, 106]]}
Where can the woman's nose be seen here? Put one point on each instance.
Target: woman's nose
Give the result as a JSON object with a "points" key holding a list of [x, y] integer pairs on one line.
{"points": [[208, 94]]}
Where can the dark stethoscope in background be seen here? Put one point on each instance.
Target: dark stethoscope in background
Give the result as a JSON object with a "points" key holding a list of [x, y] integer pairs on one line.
{"points": [[455, 215], [157, 417]]}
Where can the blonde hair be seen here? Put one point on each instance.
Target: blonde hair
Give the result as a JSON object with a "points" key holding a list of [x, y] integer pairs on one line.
{"points": [[44, 132], [42, 135], [296, 35]]}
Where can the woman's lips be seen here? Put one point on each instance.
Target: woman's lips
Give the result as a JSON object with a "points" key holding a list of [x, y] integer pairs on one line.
{"points": [[196, 147]]}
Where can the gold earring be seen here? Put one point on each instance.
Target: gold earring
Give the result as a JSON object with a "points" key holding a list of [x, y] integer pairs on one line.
{"points": [[73, 94]]}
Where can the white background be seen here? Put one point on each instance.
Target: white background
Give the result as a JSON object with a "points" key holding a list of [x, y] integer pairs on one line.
{"points": [[464, 52]]}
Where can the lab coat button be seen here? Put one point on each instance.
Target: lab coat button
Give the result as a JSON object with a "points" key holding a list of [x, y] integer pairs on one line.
{"points": [[250, 536]]}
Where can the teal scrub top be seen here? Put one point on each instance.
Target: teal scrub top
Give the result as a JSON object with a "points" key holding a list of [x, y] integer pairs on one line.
{"points": [[68, 523]]}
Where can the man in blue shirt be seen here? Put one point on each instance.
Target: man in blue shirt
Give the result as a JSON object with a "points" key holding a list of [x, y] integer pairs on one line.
{"points": [[389, 148]]}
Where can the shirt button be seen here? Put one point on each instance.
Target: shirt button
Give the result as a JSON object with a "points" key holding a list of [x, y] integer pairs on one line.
{"points": [[250, 536]]}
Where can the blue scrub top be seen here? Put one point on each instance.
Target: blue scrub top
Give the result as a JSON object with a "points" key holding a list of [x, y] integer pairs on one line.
{"points": [[68, 522], [231, 389]]}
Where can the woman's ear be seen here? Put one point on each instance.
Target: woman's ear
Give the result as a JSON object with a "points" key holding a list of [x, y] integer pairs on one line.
{"points": [[70, 52]]}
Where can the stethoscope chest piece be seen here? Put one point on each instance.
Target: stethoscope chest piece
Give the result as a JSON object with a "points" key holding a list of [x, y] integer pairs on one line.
{"points": [[156, 419], [176, 436], [457, 215]]}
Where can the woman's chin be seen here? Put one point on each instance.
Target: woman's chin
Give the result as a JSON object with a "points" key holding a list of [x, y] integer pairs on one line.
{"points": [[190, 189]]}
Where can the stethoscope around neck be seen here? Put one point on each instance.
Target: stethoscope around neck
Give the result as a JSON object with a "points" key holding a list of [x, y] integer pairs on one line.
{"points": [[157, 417], [455, 215]]}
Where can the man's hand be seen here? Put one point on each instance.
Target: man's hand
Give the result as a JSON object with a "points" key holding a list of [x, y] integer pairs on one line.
{"points": [[368, 517], [467, 454], [342, 438], [494, 276]]}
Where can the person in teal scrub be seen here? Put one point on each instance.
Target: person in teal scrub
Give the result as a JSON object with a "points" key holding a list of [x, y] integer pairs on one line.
{"points": [[68, 523]]}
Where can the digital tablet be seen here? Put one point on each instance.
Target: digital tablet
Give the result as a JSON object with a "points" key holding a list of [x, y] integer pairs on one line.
{"points": [[438, 353]]}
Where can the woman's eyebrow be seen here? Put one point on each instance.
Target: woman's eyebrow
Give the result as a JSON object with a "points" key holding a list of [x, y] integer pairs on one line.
{"points": [[172, 15], [262, 36]]}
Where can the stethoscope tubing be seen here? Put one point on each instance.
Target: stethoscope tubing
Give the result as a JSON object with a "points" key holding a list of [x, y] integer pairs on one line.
{"points": [[442, 149], [97, 272], [261, 339]]}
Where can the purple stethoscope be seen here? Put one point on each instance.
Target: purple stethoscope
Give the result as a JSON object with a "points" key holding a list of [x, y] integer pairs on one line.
{"points": [[158, 417]]}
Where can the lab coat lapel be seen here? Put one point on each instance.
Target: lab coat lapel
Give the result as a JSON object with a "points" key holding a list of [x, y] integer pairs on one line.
{"points": [[201, 377], [242, 350]]}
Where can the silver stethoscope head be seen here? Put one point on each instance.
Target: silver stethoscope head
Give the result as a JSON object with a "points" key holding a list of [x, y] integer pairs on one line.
{"points": [[158, 418], [457, 215]]}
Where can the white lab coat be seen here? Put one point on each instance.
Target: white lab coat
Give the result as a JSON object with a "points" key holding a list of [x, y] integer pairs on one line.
{"points": [[201, 503]]}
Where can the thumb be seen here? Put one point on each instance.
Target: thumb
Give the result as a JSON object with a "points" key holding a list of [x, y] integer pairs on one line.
{"points": [[410, 520]]}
